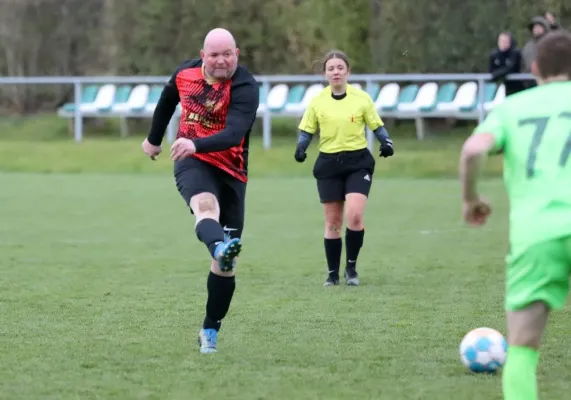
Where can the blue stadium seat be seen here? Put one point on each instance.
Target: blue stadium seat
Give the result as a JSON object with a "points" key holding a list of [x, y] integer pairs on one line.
{"points": [[446, 94], [498, 98], [153, 99], [88, 95], [425, 98]]}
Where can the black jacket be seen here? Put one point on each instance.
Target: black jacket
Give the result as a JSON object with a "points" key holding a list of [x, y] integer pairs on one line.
{"points": [[502, 63]]}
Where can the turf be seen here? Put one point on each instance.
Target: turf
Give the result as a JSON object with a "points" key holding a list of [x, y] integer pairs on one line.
{"points": [[102, 280], [41, 144], [102, 290]]}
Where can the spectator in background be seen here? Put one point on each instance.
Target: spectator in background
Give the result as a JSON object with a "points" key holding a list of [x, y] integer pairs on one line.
{"points": [[538, 27], [553, 24], [505, 60]]}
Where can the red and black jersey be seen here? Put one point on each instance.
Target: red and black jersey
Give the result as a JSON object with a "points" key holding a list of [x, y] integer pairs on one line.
{"points": [[216, 116]]}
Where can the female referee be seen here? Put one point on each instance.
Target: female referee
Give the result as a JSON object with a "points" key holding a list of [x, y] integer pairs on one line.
{"points": [[344, 167]]}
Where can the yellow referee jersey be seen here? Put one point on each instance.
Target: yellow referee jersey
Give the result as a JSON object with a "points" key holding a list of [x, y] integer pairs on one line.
{"points": [[341, 122]]}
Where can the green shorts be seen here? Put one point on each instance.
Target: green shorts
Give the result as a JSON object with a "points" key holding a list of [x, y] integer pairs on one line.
{"points": [[540, 273]]}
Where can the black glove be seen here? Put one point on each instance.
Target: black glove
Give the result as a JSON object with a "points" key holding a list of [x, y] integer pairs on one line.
{"points": [[300, 155], [386, 149]]}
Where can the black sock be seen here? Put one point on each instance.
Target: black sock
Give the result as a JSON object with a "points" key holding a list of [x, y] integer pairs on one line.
{"points": [[354, 242], [220, 292], [333, 255], [210, 233]]}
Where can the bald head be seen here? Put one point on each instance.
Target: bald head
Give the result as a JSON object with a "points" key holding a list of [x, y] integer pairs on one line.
{"points": [[219, 54], [217, 36]]}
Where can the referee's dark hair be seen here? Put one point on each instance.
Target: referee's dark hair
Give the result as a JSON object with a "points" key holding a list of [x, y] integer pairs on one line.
{"points": [[335, 54], [554, 54]]}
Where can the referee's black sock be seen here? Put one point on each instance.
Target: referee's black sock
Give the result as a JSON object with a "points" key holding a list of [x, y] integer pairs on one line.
{"points": [[354, 242], [210, 232], [220, 292], [333, 255]]}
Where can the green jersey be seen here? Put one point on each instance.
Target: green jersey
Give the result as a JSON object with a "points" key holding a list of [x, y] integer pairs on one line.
{"points": [[533, 131]]}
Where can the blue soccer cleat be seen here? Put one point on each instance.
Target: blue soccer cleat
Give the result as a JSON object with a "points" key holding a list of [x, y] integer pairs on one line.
{"points": [[226, 252], [208, 339]]}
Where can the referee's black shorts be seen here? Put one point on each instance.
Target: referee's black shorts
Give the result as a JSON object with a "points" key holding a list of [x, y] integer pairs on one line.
{"points": [[194, 176], [341, 173]]}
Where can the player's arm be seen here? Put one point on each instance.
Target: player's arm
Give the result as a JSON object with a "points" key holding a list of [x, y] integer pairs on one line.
{"points": [[488, 138], [164, 111], [307, 128], [474, 151], [376, 124], [241, 115]]}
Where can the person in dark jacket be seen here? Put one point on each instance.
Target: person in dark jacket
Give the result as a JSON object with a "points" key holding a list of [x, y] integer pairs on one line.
{"points": [[538, 26], [505, 60]]}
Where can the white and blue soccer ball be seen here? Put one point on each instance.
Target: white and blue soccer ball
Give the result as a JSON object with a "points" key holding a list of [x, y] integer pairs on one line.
{"points": [[483, 350]]}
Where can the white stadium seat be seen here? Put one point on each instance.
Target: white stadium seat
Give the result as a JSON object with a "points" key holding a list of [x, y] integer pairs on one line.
{"points": [[103, 101], [310, 93], [277, 97], [388, 96], [498, 99], [426, 97], [465, 96]]}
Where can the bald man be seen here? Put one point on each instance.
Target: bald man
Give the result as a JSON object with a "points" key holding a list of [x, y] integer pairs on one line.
{"points": [[219, 100]]}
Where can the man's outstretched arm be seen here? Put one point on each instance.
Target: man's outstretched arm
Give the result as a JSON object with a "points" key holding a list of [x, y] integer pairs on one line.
{"points": [[472, 157]]}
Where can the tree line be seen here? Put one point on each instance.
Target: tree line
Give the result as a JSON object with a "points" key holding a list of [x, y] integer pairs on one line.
{"points": [[151, 37]]}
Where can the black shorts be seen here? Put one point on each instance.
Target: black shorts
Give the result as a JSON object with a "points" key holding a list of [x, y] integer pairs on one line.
{"points": [[193, 176], [338, 174]]}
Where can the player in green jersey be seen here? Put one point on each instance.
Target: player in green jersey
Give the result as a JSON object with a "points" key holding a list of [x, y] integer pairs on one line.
{"points": [[533, 131]]}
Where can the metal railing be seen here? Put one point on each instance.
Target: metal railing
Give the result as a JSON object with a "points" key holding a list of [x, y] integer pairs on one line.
{"points": [[265, 81]]}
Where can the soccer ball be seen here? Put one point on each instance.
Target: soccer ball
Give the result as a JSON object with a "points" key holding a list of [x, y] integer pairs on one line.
{"points": [[483, 350]]}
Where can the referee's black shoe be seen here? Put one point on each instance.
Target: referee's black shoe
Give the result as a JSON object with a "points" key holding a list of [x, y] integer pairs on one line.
{"points": [[351, 277], [332, 280]]}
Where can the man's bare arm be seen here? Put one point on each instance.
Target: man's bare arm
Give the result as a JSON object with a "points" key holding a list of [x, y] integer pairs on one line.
{"points": [[474, 151]]}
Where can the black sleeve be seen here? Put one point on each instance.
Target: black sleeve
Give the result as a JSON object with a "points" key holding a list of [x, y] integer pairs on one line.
{"points": [[491, 63], [303, 141], [508, 69], [241, 115], [164, 111], [381, 134]]}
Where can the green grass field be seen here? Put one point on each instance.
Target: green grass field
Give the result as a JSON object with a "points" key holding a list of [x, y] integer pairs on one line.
{"points": [[102, 282]]}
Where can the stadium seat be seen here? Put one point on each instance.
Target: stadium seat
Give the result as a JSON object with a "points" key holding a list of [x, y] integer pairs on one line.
{"points": [[489, 93], [498, 98], [138, 98], [88, 95], [278, 97], [262, 107], [406, 95], [103, 101], [299, 107], [445, 95], [426, 97], [374, 90], [120, 102], [294, 96], [465, 96], [153, 99], [310, 93], [388, 97]]}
